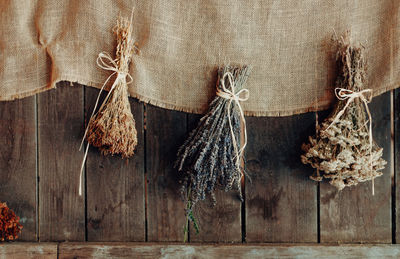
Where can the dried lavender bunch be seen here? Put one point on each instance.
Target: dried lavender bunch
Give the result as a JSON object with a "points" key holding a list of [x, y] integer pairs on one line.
{"points": [[208, 158], [341, 149], [112, 128]]}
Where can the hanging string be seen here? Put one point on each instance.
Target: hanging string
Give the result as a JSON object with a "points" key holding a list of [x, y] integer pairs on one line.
{"points": [[235, 97]]}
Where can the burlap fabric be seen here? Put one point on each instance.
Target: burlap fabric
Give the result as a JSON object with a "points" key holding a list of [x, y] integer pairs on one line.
{"points": [[181, 43]]}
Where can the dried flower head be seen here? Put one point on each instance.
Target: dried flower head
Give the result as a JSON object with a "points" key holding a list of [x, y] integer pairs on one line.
{"points": [[9, 224]]}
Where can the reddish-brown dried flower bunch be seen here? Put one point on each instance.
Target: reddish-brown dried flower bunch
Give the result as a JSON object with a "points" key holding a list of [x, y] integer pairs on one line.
{"points": [[9, 223]]}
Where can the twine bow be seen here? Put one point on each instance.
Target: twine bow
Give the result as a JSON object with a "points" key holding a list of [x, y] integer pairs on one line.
{"points": [[105, 62], [233, 96], [349, 95]]}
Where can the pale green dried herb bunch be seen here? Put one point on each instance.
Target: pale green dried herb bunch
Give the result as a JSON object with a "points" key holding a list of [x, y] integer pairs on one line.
{"points": [[341, 151]]}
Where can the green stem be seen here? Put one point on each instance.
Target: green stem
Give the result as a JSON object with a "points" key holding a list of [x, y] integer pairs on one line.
{"points": [[188, 208]]}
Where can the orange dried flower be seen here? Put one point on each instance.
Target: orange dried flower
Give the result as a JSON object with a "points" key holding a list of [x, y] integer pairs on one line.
{"points": [[9, 224]]}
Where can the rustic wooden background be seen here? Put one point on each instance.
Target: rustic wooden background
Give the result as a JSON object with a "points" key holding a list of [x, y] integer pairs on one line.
{"points": [[138, 199]]}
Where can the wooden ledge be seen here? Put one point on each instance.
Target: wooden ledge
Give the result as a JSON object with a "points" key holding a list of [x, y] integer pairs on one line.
{"points": [[20, 250], [169, 250]]}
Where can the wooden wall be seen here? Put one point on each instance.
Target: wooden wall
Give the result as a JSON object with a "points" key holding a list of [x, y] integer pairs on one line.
{"points": [[138, 199]]}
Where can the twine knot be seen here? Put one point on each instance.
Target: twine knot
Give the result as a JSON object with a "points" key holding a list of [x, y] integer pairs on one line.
{"points": [[236, 97], [343, 94], [230, 93], [105, 62]]}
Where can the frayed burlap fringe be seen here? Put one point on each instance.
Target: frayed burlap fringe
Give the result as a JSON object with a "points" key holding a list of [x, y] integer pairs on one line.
{"points": [[170, 106], [343, 150]]}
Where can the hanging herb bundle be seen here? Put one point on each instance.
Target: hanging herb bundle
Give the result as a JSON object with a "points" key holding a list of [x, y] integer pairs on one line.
{"points": [[9, 224], [343, 149], [112, 128], [211, 156]]}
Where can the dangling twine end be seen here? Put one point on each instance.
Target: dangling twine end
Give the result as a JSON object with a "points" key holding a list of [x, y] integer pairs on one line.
{"points": [[373, 187], [82, 169], [80, 188]]}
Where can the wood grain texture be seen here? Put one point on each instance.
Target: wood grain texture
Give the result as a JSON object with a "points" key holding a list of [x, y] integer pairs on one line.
{"points": [[396, 155], [165, 132], [221, 223], [115, 187], [119, 251], [281, 200], [18, 161], [354, 215], [28, 251], [61, 209]]}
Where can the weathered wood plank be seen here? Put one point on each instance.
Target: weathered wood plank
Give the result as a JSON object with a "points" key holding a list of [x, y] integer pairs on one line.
{"points": [[354, 215], [28, 251], [115, 187], [104, 250], [396, 155], [60, 118], [221, 223], [18, 161], [165, 132], [281, 200]]}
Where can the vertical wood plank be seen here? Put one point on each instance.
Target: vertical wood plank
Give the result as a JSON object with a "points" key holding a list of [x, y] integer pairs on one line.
{"points": [[18, 161], [115, 187], [354, 215], [221, 223], [396, 187], [281, 200], [165, 132], [61, 209]]}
